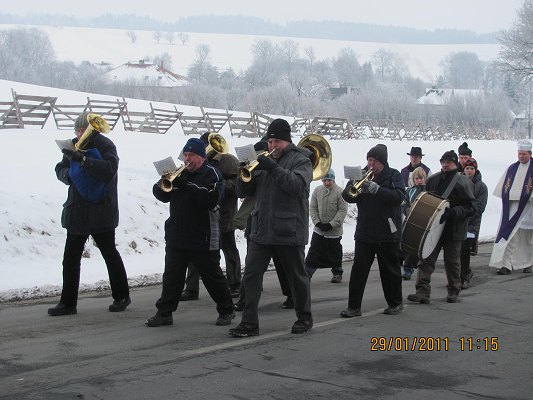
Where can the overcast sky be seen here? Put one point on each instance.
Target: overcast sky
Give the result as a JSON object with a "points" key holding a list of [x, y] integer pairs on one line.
{"points": [[478, 15]]}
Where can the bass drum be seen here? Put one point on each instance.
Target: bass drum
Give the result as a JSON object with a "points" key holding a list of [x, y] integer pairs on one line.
{"points": [[422, 228]]}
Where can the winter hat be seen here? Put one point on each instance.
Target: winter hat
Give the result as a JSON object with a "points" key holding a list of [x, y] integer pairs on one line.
{"points": [[471, 162], [379, 152], [279, 129], [205, 138], [416, 151], [81, 122], [450, 156], [262, 145], [464, 150], [196, 146], [524, 145], [329, 176]]}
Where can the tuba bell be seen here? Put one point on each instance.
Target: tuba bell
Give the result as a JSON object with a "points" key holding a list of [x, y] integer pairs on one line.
{"points": [[357, 188], [96, 124], [217, 145], [321, 156]]}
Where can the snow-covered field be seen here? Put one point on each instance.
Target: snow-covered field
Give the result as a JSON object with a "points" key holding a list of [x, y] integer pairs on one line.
{"points": [[31, 198]]}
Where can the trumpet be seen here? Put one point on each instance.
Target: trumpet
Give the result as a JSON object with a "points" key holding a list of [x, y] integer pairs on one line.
{"points": [[245, 173], [357, 188], [96, 124], [167, 179]]}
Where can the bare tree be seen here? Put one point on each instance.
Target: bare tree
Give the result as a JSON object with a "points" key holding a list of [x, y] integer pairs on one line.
{"points": [[311, 55], [515, 55], [157, 36], [170, 36], [164, 60], [132, 36], [183, 37]]}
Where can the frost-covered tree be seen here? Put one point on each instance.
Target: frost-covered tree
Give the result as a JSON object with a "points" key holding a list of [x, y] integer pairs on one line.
{"points": [[347, 67], [463, 70], [157, 36], [132, 35], [183, 37]]}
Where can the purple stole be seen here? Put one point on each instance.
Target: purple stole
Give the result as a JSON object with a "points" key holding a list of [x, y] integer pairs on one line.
{"points": [[507, 225]]}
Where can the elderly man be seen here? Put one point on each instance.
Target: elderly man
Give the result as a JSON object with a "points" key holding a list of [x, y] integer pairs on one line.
{"points": [[377, 233], [279, 226], [512, 248], [192, 234]]}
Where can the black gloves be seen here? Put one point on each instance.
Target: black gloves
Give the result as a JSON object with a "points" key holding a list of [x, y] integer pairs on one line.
{"points": [[324, 227], [73, 155], [447, 215], [266, 163]]}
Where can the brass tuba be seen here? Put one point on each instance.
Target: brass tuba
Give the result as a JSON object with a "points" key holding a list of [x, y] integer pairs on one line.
{"points": [[217, 144], [96, 124], [357, 188], [321, 156]]}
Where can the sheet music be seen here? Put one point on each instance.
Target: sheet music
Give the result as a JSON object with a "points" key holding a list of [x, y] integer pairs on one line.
{"points": [[353, 173], [246, 153], [165, 166], [65, 144]]}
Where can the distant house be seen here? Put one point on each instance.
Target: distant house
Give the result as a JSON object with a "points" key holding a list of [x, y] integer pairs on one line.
{"points": [[146, 74], [440, 97], [522, 125], [341, 90]]}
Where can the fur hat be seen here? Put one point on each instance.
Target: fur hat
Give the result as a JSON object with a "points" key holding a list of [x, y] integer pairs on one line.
{"points": [[416, 151], [81, 122], [329, 176], [279, 129], [464, 150], [450, 156], [471, 162], [196, 146], [379, 152]]}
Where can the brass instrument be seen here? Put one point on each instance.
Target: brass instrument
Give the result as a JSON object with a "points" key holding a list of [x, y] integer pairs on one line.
{"points": [[245, 173], [321, 156], [166, 180], [357, 188], [217, 144], [96, 124]]}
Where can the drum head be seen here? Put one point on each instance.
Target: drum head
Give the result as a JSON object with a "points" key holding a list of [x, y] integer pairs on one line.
{"points": [[433, 233]]}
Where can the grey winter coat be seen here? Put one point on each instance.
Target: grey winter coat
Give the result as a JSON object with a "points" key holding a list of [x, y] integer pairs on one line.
{"points": [[281, 212], [327, 205], [481, 197]]}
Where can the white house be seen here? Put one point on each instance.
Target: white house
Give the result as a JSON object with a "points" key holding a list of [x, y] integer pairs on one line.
{"points": [[145, 74]]}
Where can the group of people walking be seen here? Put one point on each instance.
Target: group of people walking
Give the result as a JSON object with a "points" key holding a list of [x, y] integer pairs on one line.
{"points": [[276, 210]]}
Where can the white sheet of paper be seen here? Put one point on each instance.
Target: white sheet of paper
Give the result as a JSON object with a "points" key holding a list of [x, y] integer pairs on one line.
{"points": [[65, 144], [165, 166], [246, 153], [353, 173]]}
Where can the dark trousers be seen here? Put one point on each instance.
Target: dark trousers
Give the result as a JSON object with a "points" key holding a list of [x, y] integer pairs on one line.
{"points": [[452, 250], [208, 265], [389, 272], [292, 264], [74, 246], [466, 251], [233, 265]]}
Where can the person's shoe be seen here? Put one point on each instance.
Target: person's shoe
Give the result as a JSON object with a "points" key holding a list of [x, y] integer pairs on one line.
{"points": [[451, 298], [288, 303], [244, 329], [503, 271], [187, 296], [235, 293], [62, 309], [465, 283], [407, 274], [120, 305], [302, 326], [418, 298], [225, 319], [159, 320], [351, 312], [239, 306], [336, 279], [393, 310], [527, 270]]}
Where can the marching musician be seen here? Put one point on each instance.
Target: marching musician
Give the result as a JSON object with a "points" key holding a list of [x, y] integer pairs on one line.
{"points": [[228, 165], [512, 248], [458, 189], [91, 209], [377, 233], [279, 226], [192, 234]]}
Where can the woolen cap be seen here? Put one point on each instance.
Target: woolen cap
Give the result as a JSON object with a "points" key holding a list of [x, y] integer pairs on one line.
{"points": [[196, 146], [471, 162], [450, 156], [379, 152], [81, 122], [279, 129], [329, 176], [464, 150]]}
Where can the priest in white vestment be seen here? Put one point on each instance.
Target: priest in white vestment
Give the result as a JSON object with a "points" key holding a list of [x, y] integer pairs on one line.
{"points": [[513, 247]]}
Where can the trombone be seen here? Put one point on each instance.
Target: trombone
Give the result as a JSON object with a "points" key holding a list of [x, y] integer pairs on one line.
{"points": [[357, 188]]}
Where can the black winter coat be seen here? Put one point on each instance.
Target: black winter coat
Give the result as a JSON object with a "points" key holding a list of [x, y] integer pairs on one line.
{"points": [[194, 221], [379, 216], [228, 165], [81, 217]]}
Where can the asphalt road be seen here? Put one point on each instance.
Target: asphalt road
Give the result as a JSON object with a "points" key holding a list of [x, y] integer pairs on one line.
{"points": [[478, 348]]}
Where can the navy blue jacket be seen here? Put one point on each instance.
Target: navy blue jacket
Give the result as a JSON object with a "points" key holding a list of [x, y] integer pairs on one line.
{"points": [[194, 221]]}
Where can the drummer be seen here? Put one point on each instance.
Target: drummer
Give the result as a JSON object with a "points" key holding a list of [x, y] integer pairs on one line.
{"points": [[458, 189]]}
